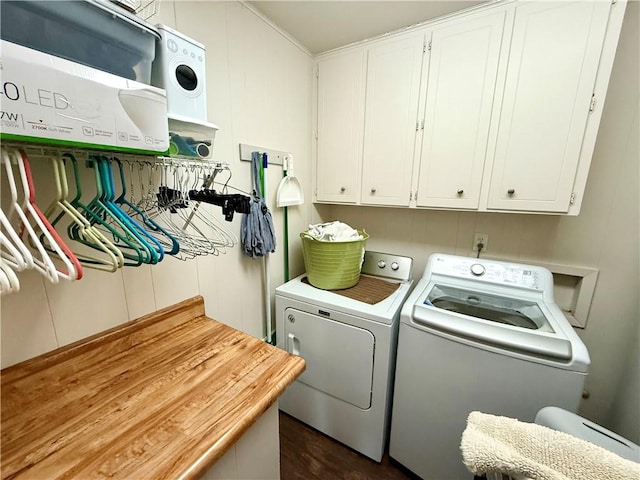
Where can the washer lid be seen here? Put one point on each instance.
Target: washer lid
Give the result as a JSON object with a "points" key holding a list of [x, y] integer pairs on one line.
{"points": [[521, 325], [493, 308]]}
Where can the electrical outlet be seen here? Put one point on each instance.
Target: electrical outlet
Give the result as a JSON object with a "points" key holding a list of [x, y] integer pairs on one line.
{"points": [[482, 238]]}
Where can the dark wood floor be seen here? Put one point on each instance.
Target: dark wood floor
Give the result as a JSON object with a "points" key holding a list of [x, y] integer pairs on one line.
{"points": [[308, 454]]}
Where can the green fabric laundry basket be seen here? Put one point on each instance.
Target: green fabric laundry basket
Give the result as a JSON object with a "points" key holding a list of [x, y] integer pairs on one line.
{"points": [[333, 265]]}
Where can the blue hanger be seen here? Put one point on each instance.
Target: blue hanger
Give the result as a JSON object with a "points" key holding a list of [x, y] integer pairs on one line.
{"points": [[101, 209], [155, 249], [133, 210]]}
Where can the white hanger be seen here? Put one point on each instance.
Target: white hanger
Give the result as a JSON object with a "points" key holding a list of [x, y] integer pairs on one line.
{"points": [[113, 258], [14, 283], [10, 253], [13, 251], [43, 264], [5, 284], [73, 272]]}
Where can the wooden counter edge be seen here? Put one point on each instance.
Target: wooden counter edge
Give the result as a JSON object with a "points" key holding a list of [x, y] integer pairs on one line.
{"points": [[224, 443], [187, 310]]}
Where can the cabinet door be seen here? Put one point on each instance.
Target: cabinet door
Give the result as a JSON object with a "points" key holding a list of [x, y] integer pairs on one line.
{"points": [[393, 86], [462, 76], [553, 61], [340, 127]]}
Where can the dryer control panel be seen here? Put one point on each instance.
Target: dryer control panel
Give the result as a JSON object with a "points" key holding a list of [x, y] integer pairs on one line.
{"points": [[387, 265], [490, 271]]}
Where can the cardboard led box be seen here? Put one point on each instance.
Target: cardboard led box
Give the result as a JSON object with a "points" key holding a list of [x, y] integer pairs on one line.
{"points": [[44, 98]]}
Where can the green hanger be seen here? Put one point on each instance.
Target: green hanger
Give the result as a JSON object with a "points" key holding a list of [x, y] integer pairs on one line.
{"points": [[97, 215], [83, 232]]}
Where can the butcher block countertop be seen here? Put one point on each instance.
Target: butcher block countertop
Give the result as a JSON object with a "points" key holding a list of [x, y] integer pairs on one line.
{"points": [[164, 396]]}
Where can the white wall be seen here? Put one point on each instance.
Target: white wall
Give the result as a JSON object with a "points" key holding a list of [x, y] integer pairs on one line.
{"points": [[605, 236], [259, 92]]}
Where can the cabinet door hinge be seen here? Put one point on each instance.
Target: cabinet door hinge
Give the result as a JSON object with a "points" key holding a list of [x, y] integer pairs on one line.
{"points": [[429, 46], [317, 72], [419, 125], [592, 105], [572, 198]]}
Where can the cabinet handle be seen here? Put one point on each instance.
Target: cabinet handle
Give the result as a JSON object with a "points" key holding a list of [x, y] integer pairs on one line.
{"points": [[460, 191], [343, 189], [373, 189], [511, 191]]}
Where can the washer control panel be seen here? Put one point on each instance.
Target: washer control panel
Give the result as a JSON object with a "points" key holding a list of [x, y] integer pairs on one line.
{"points": [[490, 271], [387, 265]]}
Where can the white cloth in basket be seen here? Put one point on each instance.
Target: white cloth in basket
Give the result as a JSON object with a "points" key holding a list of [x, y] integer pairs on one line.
{"points": [[334, 232]]}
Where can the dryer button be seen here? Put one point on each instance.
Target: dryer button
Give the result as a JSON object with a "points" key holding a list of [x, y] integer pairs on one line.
{"points": [[382, 263], [477, 270], [395, 266]]}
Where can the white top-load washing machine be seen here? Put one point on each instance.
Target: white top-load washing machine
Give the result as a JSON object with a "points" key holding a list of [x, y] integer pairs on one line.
{"points": [[348, 339], [482, 335]]}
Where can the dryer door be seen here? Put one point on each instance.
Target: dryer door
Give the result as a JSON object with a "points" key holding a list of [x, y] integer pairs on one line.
{"points": [[339, 356]]}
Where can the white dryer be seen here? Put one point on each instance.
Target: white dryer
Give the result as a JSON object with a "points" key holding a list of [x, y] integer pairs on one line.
{"points": [[482, 335], [348, 339]]}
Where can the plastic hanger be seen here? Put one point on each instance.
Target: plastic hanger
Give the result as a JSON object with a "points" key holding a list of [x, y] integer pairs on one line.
{"points": [[97, 214], [13, 284], [60, 248], [14, 251], [154, 247], [41, 261], [102, 208], [91, 235], [80, 229], [10, 253], [102, 229], [5, 283]]}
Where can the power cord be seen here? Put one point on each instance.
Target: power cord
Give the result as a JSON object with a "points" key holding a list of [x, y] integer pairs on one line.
{"points": [[480, 246]]}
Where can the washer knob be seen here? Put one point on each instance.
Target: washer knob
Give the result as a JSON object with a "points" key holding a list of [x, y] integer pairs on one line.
{"points": [[381, 263], [477, 270], [395, 266]]}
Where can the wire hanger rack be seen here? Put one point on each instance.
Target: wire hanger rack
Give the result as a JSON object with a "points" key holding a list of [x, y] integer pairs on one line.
{"points": [[108, 211]]}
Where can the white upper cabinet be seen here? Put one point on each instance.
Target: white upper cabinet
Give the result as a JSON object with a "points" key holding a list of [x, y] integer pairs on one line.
{"points": [[340, 126], [552, 66], [391, 106], [461, 82], [493, 109]]}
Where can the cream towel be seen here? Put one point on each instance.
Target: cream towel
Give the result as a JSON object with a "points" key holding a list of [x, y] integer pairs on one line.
{"points": [[492, 444]]}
